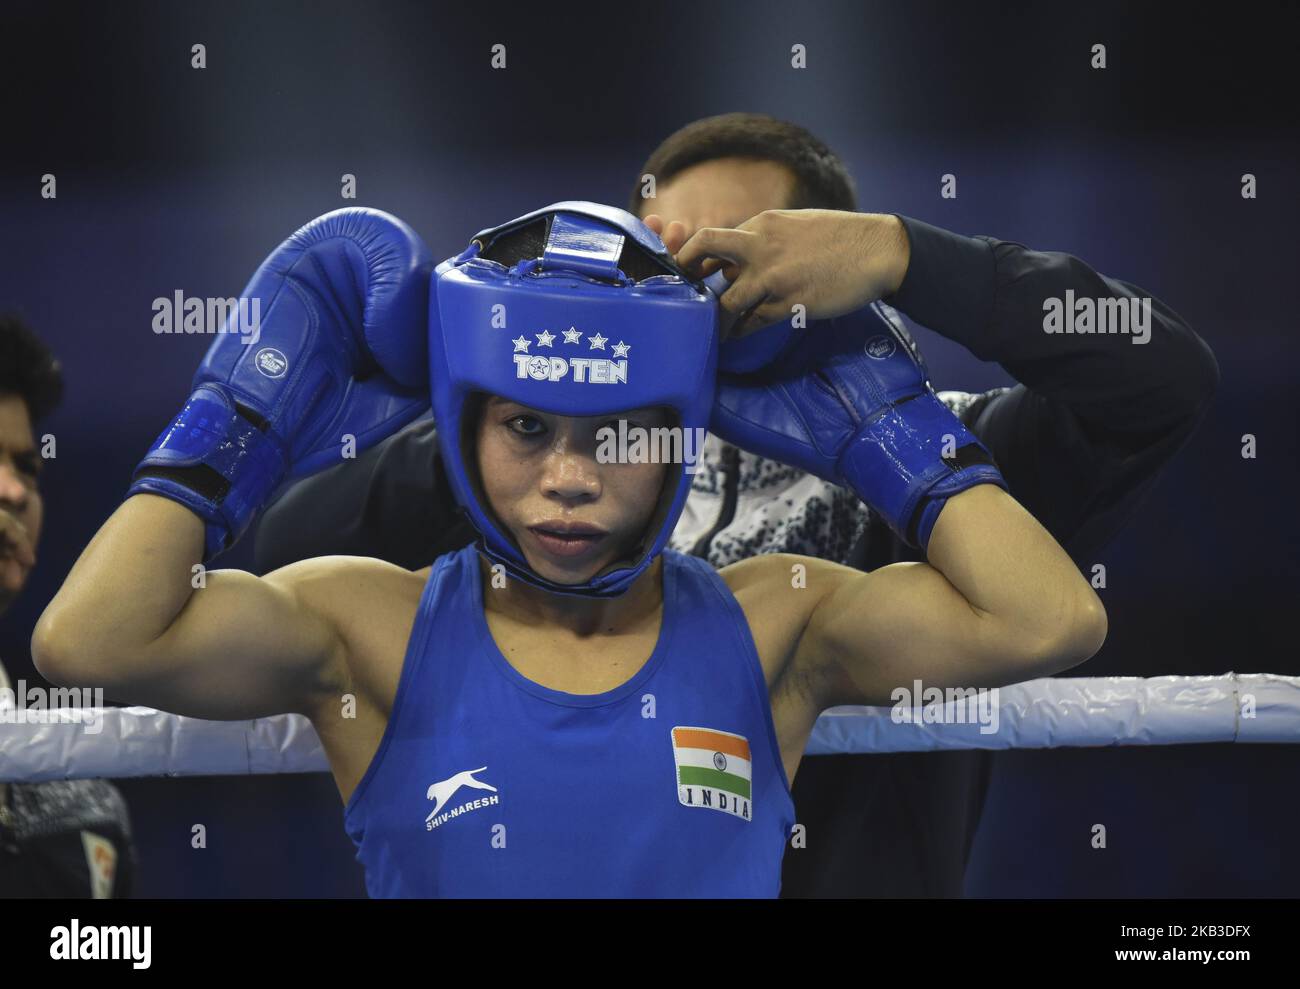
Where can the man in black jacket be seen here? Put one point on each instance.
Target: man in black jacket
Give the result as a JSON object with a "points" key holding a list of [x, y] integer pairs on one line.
{"points": [[1080, 440]]}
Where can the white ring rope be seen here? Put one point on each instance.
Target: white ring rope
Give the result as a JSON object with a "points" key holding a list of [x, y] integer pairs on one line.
{"points": [[121, 742]]}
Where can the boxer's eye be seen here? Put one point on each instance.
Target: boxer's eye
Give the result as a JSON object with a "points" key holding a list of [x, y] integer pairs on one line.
{"points": [[526, 426]]}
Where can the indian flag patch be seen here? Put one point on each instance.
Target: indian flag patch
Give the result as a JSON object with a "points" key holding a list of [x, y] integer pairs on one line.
{"points": [[713, 770]]}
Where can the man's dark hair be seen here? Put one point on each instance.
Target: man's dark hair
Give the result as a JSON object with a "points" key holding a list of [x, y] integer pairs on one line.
{"points": [[28, 369], [821, 180]]}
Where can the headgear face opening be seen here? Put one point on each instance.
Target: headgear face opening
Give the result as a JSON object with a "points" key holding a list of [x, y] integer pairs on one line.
{"points": [[576, 309]]}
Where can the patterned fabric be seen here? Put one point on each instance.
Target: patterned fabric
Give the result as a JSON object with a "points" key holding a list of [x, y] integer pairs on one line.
{"points": [[37, 810], [779, 509]]}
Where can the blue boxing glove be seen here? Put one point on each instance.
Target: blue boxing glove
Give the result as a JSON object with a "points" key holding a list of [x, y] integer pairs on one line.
{"points": [[341, 350], [848, 399], [755, 350]]}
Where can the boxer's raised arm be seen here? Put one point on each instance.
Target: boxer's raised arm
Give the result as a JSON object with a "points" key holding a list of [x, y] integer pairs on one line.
{"points": [[1000, 602], [135, 619], [334, 360]]}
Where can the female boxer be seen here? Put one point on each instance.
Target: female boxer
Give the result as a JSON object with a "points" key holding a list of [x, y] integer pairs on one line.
{"points": [[563, 708]]}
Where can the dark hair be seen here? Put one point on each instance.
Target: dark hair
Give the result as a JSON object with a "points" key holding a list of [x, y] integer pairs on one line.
{"points": [[821, 180], [28, 369]]}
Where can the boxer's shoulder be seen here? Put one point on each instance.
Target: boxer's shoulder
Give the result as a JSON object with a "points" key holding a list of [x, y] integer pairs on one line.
{"points": [[338, 586], [778, 593], [370, 604]]}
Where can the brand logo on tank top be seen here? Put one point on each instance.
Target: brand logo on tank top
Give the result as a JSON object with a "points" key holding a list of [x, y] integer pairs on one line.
{"points": [[442, 792], [713, 770]]}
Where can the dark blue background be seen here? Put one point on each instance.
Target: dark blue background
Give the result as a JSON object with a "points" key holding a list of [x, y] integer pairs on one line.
{"points": [[171, 178]]}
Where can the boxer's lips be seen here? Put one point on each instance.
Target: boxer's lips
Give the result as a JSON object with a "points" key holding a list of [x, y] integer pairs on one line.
{"points": [[567, 538]]}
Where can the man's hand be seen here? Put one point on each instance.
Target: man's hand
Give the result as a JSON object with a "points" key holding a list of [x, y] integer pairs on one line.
{"points": [[829, 261]]}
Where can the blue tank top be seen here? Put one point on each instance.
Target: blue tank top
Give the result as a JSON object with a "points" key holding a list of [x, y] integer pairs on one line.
{"points": [[487, 784]]}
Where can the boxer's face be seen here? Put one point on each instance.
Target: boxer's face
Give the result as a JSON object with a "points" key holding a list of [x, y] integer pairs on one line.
{"points": [[724, 192], [542, 475], [20, 465]]}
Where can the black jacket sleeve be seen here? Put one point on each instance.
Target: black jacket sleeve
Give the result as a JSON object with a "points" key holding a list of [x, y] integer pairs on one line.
{"points": [[392, 502], [1095, 418]]}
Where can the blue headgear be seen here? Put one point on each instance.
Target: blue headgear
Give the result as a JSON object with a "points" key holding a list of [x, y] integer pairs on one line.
{"points": [[583, 314]]}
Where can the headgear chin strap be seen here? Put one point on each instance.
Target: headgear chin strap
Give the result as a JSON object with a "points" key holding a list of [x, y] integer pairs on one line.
{"points": [[585, 314]]}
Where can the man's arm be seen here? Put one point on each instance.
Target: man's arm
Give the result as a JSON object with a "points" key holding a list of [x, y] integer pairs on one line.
{"points": [[393, 502], [1095, 417]]}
